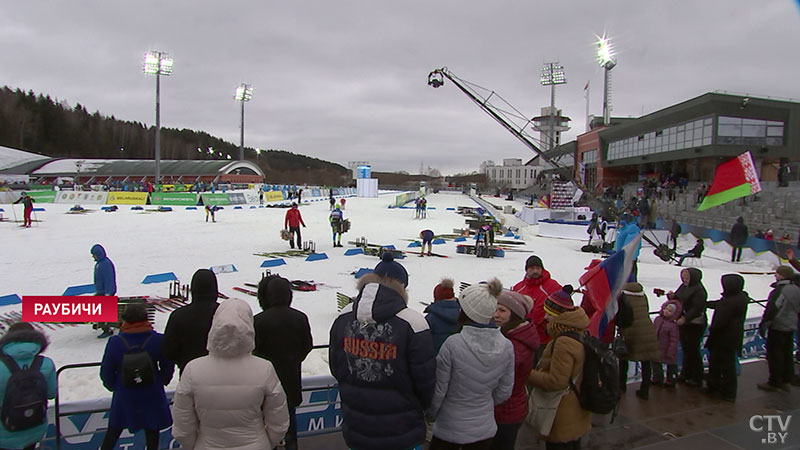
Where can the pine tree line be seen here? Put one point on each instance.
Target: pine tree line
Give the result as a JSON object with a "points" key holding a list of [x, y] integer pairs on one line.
{"points": [[40, 124]]}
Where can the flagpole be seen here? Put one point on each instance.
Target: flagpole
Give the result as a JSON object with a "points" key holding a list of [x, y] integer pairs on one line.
{"points": [[587, 105]]}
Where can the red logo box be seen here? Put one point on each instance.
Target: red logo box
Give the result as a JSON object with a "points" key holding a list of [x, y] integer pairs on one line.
{"points": [[57, 308]]}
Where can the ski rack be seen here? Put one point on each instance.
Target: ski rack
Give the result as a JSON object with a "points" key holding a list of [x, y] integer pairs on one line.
{"points": [[178, 291], [309, 246]]}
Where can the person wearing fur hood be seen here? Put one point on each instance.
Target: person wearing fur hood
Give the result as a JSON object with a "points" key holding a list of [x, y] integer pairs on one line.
{"points": [[23, 344], [474, 372], [562, 361], [381, 353]]}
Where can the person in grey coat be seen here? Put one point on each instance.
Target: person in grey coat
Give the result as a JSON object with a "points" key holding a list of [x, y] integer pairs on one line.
{"points": [[778, 325], [474, 372]]}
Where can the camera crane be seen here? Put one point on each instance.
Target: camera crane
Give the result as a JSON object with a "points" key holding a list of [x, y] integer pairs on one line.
{"points": [[521, 127]]}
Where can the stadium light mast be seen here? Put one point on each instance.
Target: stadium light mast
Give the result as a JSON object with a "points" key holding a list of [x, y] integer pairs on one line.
{"points": [[158, 63], [605, 57], [243, 94], [551, 75]]}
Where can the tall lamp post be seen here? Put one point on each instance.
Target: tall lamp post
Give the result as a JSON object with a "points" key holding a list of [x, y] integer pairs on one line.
{"points": [[158, 63], [605, 57], [551, 75], [243, 94]]}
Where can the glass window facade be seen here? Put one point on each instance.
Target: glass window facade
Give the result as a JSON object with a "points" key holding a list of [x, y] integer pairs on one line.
{"points": [[590, 157], [695, 133], [740, 131]]}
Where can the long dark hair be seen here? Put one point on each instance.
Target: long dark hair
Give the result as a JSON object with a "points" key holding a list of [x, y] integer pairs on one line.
{"points": [[513, 322]]}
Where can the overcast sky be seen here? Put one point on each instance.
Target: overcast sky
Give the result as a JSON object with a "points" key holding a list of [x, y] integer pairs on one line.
{"points": [[346, 80]]}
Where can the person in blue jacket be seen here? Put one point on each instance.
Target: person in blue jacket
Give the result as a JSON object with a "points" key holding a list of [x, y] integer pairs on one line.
{"points": [[442, 314], [105, 282], [381, 353], [628, 231], [23, 343], [139, 407]]}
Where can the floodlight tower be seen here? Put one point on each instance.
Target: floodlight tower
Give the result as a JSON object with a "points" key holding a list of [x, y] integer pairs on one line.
{"points": [[605, 57], [158, 63], [243, 94], [551, 75]]}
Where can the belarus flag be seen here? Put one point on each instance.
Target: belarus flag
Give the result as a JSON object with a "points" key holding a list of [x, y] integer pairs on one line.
{"points": [[733, 179], [604, 283]]}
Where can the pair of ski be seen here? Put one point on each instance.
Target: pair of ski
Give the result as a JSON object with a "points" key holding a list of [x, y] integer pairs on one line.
{"points": [[287, 253]]}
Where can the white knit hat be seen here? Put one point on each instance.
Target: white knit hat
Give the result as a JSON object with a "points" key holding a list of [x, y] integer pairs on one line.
{"points": [[479, 302]]}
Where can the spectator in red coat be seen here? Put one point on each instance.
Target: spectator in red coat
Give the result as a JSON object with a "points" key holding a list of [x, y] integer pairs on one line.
{"points": [[292, 222], [512, 307], [538, 285]]}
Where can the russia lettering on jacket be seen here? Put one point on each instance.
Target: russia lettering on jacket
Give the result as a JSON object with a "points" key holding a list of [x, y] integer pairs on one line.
{"points": [[370, 349]]}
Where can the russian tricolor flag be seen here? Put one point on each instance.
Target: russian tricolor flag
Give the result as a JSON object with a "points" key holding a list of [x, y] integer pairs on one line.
{"points": [[605, 282]]}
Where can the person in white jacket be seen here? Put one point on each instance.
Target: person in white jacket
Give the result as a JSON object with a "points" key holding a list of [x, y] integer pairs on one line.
{"points": [[474, 372], [230, 399]]}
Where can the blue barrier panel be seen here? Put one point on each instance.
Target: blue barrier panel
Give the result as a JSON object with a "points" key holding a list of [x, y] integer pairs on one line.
{"points": [[354, 251], [39, 209], [165, 208], [237, 207], [159, 278], [414, 244], [439, 241], [362, 271], [252, 207], [316, 257], [451, 209], [137, 208], [517, 237], [191, 208], [273, 262], [509, 234], [79, 290], [460, 239], [12, 299]]}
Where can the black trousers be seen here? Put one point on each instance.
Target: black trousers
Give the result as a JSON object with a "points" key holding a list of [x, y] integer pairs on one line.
{"points": [[647, 373], [295, 231], [506, 436], [438, 444], [571, 445], [736, 253], [779, 357], [112, 436], [691, 335], [722, 370]]}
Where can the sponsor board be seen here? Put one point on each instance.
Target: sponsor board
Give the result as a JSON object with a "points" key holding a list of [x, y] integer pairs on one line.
{"points": [[88, 197], [127, 198], [215, 199], [236, 198], [273, 196], [43, 196], [173, 198]]}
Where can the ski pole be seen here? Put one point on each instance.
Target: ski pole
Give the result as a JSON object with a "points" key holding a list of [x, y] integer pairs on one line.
{"points": [[35, 219], [15, 213]]}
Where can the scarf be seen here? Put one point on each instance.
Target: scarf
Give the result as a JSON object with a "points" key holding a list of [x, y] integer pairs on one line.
{"points": [[136, 327]]}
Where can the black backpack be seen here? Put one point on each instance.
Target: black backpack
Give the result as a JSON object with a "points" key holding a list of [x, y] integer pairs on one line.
{"points": [[25, 401], [600, 390], [137, 366]]}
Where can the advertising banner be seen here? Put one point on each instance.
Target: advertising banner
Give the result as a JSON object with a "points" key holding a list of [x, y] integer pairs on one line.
{"points": [[90, 197], [173, 198], [236, 198], [273, 196], [215, 199], [127, 198], [43, 196]]}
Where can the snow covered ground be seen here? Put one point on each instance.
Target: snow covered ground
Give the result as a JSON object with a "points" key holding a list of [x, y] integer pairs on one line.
{"points": [[54, 254]]}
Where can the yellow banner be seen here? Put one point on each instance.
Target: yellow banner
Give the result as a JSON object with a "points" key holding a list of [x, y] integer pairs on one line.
{"points": [[273, 196], [127, 198]]}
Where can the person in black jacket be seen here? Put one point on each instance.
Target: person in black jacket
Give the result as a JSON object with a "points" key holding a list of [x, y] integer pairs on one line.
{"points": [[692, 295], [187, 327], [695, 252], [725, 337], [283, 337], [381, 353], [738, 238]]}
